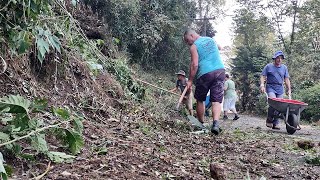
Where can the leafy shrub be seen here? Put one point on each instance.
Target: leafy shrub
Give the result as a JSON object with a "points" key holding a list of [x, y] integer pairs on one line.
{"points": [[306, 84], [312, 97], [20, 121], [120, 69], [150, 30], [261, 105], [21, 27]]}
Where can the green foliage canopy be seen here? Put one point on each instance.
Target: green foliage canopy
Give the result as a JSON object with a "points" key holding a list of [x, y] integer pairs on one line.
{"points": [[151, 31], [22, 22], [259, 35], [251, 55]]}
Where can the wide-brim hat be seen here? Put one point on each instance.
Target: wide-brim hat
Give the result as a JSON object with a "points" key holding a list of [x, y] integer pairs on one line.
{"points": [[278, 53], [181, 72]]}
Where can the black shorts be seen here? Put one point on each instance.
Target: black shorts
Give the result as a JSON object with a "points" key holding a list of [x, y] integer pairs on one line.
{"points": [[213, 81]]}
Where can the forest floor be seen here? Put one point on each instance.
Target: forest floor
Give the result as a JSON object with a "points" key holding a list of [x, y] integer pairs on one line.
{"points": [[246, 149], [148, 140]]}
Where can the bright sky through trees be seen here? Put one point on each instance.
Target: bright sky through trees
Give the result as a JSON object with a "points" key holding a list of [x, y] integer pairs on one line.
{"points": [[224, 26]]}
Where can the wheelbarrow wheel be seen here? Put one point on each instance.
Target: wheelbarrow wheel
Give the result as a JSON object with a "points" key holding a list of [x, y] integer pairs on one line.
{"points": [[292, 121]]}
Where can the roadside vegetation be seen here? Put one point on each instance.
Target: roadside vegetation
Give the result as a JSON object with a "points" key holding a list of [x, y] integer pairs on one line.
{"points": [[71, 105], [260, 31]]}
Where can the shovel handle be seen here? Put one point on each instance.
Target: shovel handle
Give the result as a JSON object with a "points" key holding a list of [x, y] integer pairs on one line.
{"points": [[181, 97]]}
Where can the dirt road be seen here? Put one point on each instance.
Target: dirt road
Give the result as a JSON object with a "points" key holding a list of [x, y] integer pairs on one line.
{"points": [[167, 149], [247, 122]]}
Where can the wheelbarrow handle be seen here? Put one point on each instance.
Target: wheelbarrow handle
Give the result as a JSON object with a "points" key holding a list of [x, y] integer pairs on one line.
{"points": [[181, 97]]}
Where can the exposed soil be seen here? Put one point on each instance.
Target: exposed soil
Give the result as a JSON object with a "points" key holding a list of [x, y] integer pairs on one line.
{"points": [[142, 149], [126, 140], [311, 132]]}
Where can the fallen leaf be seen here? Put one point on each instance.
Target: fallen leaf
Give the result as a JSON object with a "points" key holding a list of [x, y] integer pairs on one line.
{"points": [[66, 174]]}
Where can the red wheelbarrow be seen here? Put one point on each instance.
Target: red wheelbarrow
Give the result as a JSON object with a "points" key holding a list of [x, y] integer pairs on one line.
{"points": [[291, 109]]}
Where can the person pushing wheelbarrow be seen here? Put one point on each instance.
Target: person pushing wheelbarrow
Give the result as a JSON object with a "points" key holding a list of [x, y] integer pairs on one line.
{"points": [[271, 82]]}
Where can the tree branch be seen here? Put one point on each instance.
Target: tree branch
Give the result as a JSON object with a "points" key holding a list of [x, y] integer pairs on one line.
{"points": [[5, 5], [294, 22], [273, 13], [45, 172], [33, 132]]}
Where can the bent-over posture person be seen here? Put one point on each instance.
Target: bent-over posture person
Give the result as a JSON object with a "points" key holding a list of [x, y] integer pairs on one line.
{"points": [[181, 83], [207, 69]]}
